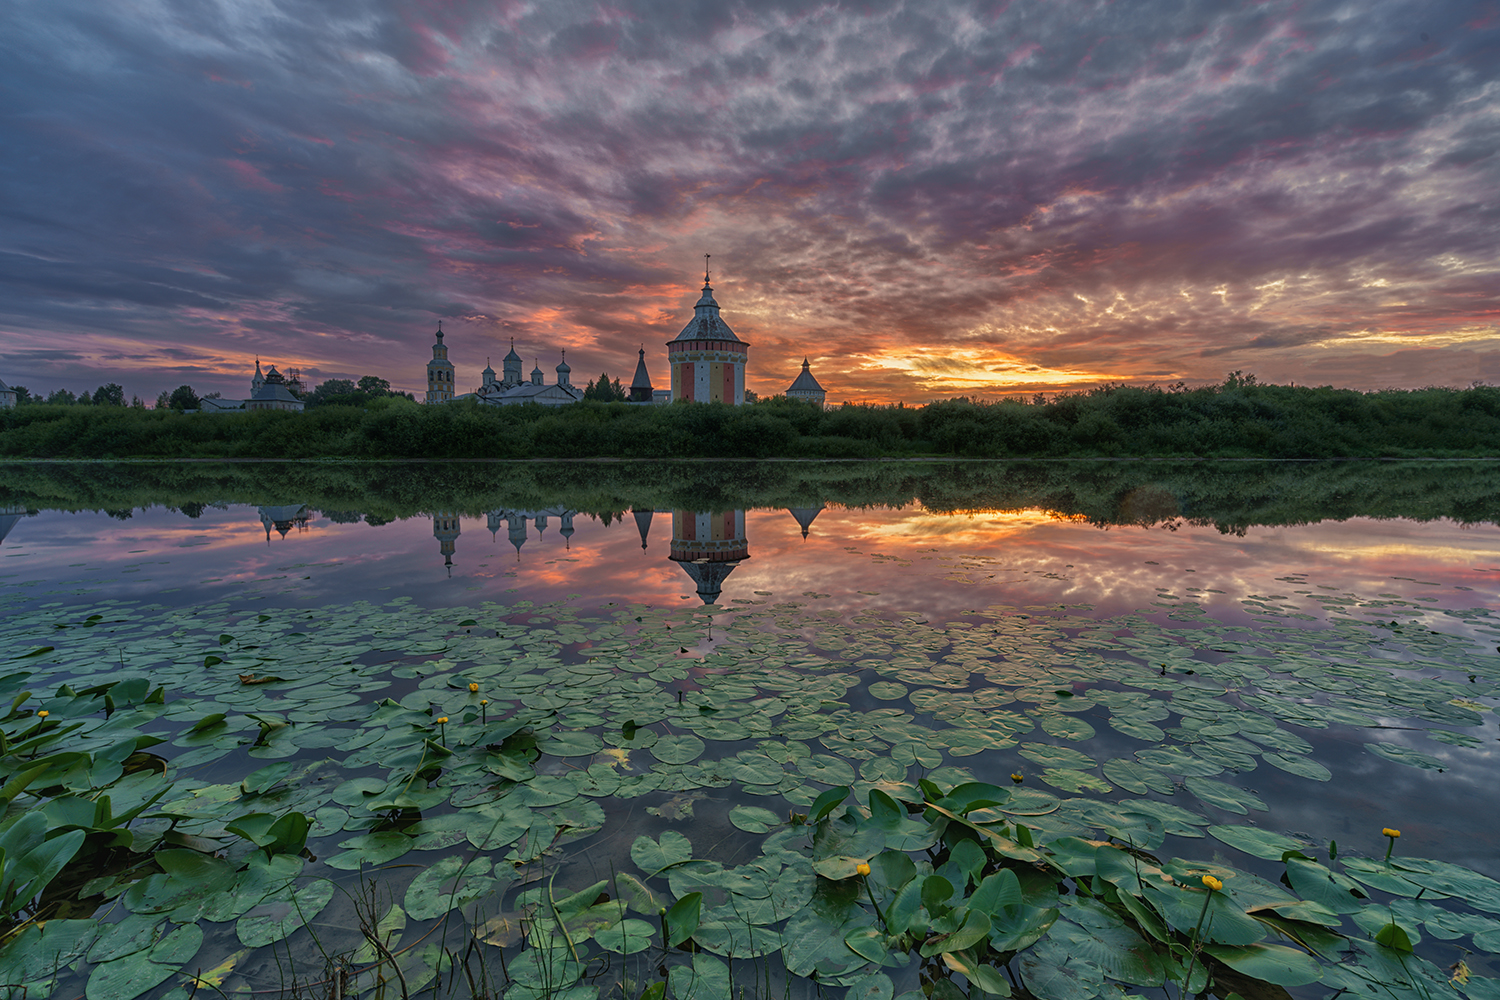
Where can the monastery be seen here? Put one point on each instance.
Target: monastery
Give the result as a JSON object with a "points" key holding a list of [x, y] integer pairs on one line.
{"points": [[706, 360]]}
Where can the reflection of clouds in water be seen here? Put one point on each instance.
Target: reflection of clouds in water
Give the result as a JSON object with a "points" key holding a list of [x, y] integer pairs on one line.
{"points": [[941, 563]]}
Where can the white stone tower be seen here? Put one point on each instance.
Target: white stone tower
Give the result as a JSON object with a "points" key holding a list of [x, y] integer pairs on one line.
{"points": [[439, 372]]}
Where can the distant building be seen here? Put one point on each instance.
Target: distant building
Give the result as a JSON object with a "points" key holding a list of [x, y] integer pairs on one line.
{"points": [[439, 372], [640, 386], [707, 360], [268, 391], [806, 388], [8, 395], [559, 393], [273, 392]]}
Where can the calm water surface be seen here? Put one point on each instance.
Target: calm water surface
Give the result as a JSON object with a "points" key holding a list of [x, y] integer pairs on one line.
{"points": [[1267, 587]]}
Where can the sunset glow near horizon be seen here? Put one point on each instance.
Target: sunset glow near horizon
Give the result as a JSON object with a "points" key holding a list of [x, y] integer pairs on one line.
{"points": [[925, 199]]}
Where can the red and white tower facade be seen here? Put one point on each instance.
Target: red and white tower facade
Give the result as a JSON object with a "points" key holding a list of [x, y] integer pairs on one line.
{"points": [[708, 546], [706, 358]]}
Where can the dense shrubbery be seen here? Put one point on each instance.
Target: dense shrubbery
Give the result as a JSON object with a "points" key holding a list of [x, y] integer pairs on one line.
{"points": [[1237, 419]]}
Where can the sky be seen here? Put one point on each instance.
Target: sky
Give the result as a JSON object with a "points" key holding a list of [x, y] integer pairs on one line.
{"points": [[925, 198]]}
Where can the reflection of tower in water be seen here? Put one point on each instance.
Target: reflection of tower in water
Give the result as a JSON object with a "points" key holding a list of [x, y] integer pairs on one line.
{"points": [[708, 547], [8, 518], [284, 518], [445, 528], [805, 516]]}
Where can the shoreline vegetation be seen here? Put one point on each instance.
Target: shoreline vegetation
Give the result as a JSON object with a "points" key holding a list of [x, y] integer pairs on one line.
{"points": [[1241, 418], [1230, 496]]}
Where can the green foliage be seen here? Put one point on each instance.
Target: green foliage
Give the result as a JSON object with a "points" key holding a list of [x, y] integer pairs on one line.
{"points": [[1239, 419], [605, 390], [183, 398]]}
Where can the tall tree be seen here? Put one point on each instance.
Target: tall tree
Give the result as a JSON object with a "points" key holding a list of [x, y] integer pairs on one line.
{"points": [[373, 385], [604, 390], [109, 394], [183, 398]]}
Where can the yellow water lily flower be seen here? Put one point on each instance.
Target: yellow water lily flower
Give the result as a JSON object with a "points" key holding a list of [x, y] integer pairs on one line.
{"points": [[1017, 778], [473, 688], [442, 719], [1391, 833], [43, 714], [862, 869], [1213, 884]]}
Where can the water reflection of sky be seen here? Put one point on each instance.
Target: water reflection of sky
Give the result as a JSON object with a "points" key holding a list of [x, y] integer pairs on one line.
{"points": [[884, 560], [909, 558]]}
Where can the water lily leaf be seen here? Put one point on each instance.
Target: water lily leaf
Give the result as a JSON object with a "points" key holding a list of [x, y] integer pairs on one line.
{"points": [[753, 819], [1333, 890], [279, 915], [1049, 755], [450, 883], [1402, 754], [567, 743], [1050, 971], [1067, 727], [868, 943], [826, 770], [887, 690], [1074, 781], [1270, 963], [626, 937], [1304, 767], [656, 856], [1137, 778], [1255, 841], [1224, 795], [707, 978], [677, 749], [1097, 935]]}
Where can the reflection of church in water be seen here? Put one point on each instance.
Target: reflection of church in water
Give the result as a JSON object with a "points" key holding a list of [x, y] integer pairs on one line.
{"points": [[708, 545], [284, 519], [9, 516]]}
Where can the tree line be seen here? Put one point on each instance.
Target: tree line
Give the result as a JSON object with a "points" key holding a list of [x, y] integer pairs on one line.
{"points": [[184, 398], [1240, 418]]}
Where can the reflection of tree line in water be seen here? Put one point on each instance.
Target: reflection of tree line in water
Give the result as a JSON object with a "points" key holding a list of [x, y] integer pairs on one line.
{"points": [[1229, 495]]}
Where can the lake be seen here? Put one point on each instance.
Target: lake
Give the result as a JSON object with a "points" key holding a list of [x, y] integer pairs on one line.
{"points": [[471, 728]]}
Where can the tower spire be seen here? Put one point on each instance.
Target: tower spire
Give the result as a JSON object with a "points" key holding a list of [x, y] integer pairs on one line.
{"points": [[705, 268]]}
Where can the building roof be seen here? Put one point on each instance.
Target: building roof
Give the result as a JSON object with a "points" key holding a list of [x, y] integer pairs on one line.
{"points": [[6, 388], [805, 382], [706, 324], [528, 390], [562, 365], [642, 378], [207, 405], [512, 356], [275, 392]]}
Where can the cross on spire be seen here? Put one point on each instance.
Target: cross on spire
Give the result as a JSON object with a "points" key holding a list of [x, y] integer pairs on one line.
{"points": [[705, 268]]}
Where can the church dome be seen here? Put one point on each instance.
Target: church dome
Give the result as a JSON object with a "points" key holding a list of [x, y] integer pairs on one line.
{"points": [[706, 323]]}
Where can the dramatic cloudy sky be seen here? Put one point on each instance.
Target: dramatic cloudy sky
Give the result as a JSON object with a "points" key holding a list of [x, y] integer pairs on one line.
{"points": [[925, 197]]}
